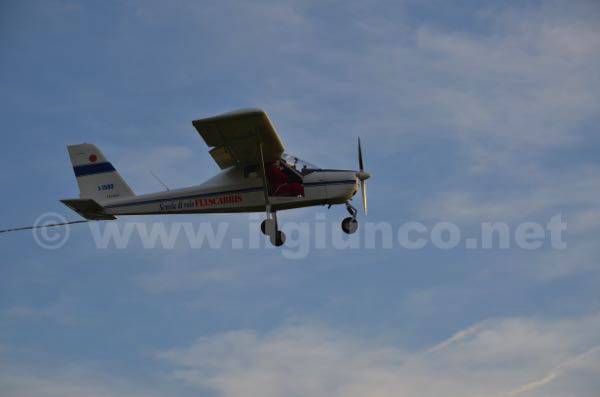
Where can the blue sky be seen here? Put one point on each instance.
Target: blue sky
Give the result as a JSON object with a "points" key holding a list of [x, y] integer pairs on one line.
{"points": [[469, 112]]}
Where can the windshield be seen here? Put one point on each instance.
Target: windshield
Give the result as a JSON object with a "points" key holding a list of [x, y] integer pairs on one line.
{"points": [[298, 164]]}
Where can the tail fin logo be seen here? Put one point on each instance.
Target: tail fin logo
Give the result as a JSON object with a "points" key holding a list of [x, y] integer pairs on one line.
{"points": [[93, 158]]}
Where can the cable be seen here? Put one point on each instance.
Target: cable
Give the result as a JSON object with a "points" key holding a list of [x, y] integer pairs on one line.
{"points": [[42, 226]]}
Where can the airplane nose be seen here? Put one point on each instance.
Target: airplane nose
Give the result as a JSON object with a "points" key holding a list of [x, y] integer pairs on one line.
{"points": [[362, 175]]}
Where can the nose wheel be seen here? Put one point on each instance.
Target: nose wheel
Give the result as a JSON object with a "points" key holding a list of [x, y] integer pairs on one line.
{"points": [[350, 224], [269, 228]]}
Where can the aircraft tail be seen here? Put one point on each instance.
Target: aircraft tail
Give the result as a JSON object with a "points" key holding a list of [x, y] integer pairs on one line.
{"points": [[97, 178]]}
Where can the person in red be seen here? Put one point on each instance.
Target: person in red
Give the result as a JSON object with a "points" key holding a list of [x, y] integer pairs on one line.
{"points": [[279, 184]]}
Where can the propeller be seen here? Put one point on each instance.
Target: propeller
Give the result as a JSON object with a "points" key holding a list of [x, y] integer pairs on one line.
{"points": [[362, 176]]}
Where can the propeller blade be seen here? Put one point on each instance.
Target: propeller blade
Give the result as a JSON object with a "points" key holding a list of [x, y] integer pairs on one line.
{"points": [[363, 191], [360, 157], [363, 176]]}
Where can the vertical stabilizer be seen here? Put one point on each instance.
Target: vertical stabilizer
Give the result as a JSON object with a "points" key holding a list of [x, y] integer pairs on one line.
{"points": [[96, 176]]}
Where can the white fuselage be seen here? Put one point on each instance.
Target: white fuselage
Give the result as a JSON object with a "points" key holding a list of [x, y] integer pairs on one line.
{"points": [[232, 191]]}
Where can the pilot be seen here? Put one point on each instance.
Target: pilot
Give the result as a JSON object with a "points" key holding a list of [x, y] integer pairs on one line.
{"points": [[279, 182]]}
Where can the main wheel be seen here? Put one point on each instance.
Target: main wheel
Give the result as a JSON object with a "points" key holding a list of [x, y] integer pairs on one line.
{"points": [[349, 225], [267, 226], [279, 239]]}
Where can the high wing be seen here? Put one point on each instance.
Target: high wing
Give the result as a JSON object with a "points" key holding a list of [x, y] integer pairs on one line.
{"points": [[235, 137]]}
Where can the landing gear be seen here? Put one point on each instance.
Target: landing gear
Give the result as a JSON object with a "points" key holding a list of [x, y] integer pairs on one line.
{"points": [[269, 225], [350, 224], [269, 228], [279, 239], [351, 210], [263, 227]]}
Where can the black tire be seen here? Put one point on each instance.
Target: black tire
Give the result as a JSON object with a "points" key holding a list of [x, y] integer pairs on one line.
{"points": [[279, 239], [349, 225], [270, 223]]}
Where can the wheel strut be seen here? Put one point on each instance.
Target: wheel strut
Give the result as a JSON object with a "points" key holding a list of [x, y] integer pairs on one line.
{"points": [[350, 224], [351, 210], [270, 228]]}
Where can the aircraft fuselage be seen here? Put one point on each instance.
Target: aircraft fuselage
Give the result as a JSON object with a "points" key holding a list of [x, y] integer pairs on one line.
{"points": [[232, 191]]}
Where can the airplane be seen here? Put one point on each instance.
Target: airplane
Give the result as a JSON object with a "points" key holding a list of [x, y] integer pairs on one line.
{"points": [[256, 175]]}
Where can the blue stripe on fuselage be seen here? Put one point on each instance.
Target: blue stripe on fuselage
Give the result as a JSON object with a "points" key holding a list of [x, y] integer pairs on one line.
{"points": [[200, 195], [91, 169]]}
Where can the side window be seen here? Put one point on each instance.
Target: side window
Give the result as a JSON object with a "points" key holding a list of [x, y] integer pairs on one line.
{"points": [[251, 171]]}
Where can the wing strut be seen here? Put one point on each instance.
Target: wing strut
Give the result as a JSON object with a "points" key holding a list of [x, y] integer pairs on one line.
{"points": [[271, 228], [265, 181]]}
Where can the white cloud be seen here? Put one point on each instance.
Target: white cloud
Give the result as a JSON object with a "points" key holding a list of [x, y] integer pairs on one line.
{"points": [[186, 276], [572, 194], [60, 311], [574, 190], [196, 270], [494, 358], [69, 383], [503, 357], [521, 88], [522, 85]]}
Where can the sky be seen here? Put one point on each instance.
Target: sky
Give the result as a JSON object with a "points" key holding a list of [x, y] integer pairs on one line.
{"points": [[468, 112]]}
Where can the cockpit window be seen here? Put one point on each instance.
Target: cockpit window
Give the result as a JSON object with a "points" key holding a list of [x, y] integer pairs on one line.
{"points": [[298, 164]]}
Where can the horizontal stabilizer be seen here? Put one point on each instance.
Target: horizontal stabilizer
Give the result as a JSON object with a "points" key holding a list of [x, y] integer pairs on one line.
{"points": [[88, 208]]}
